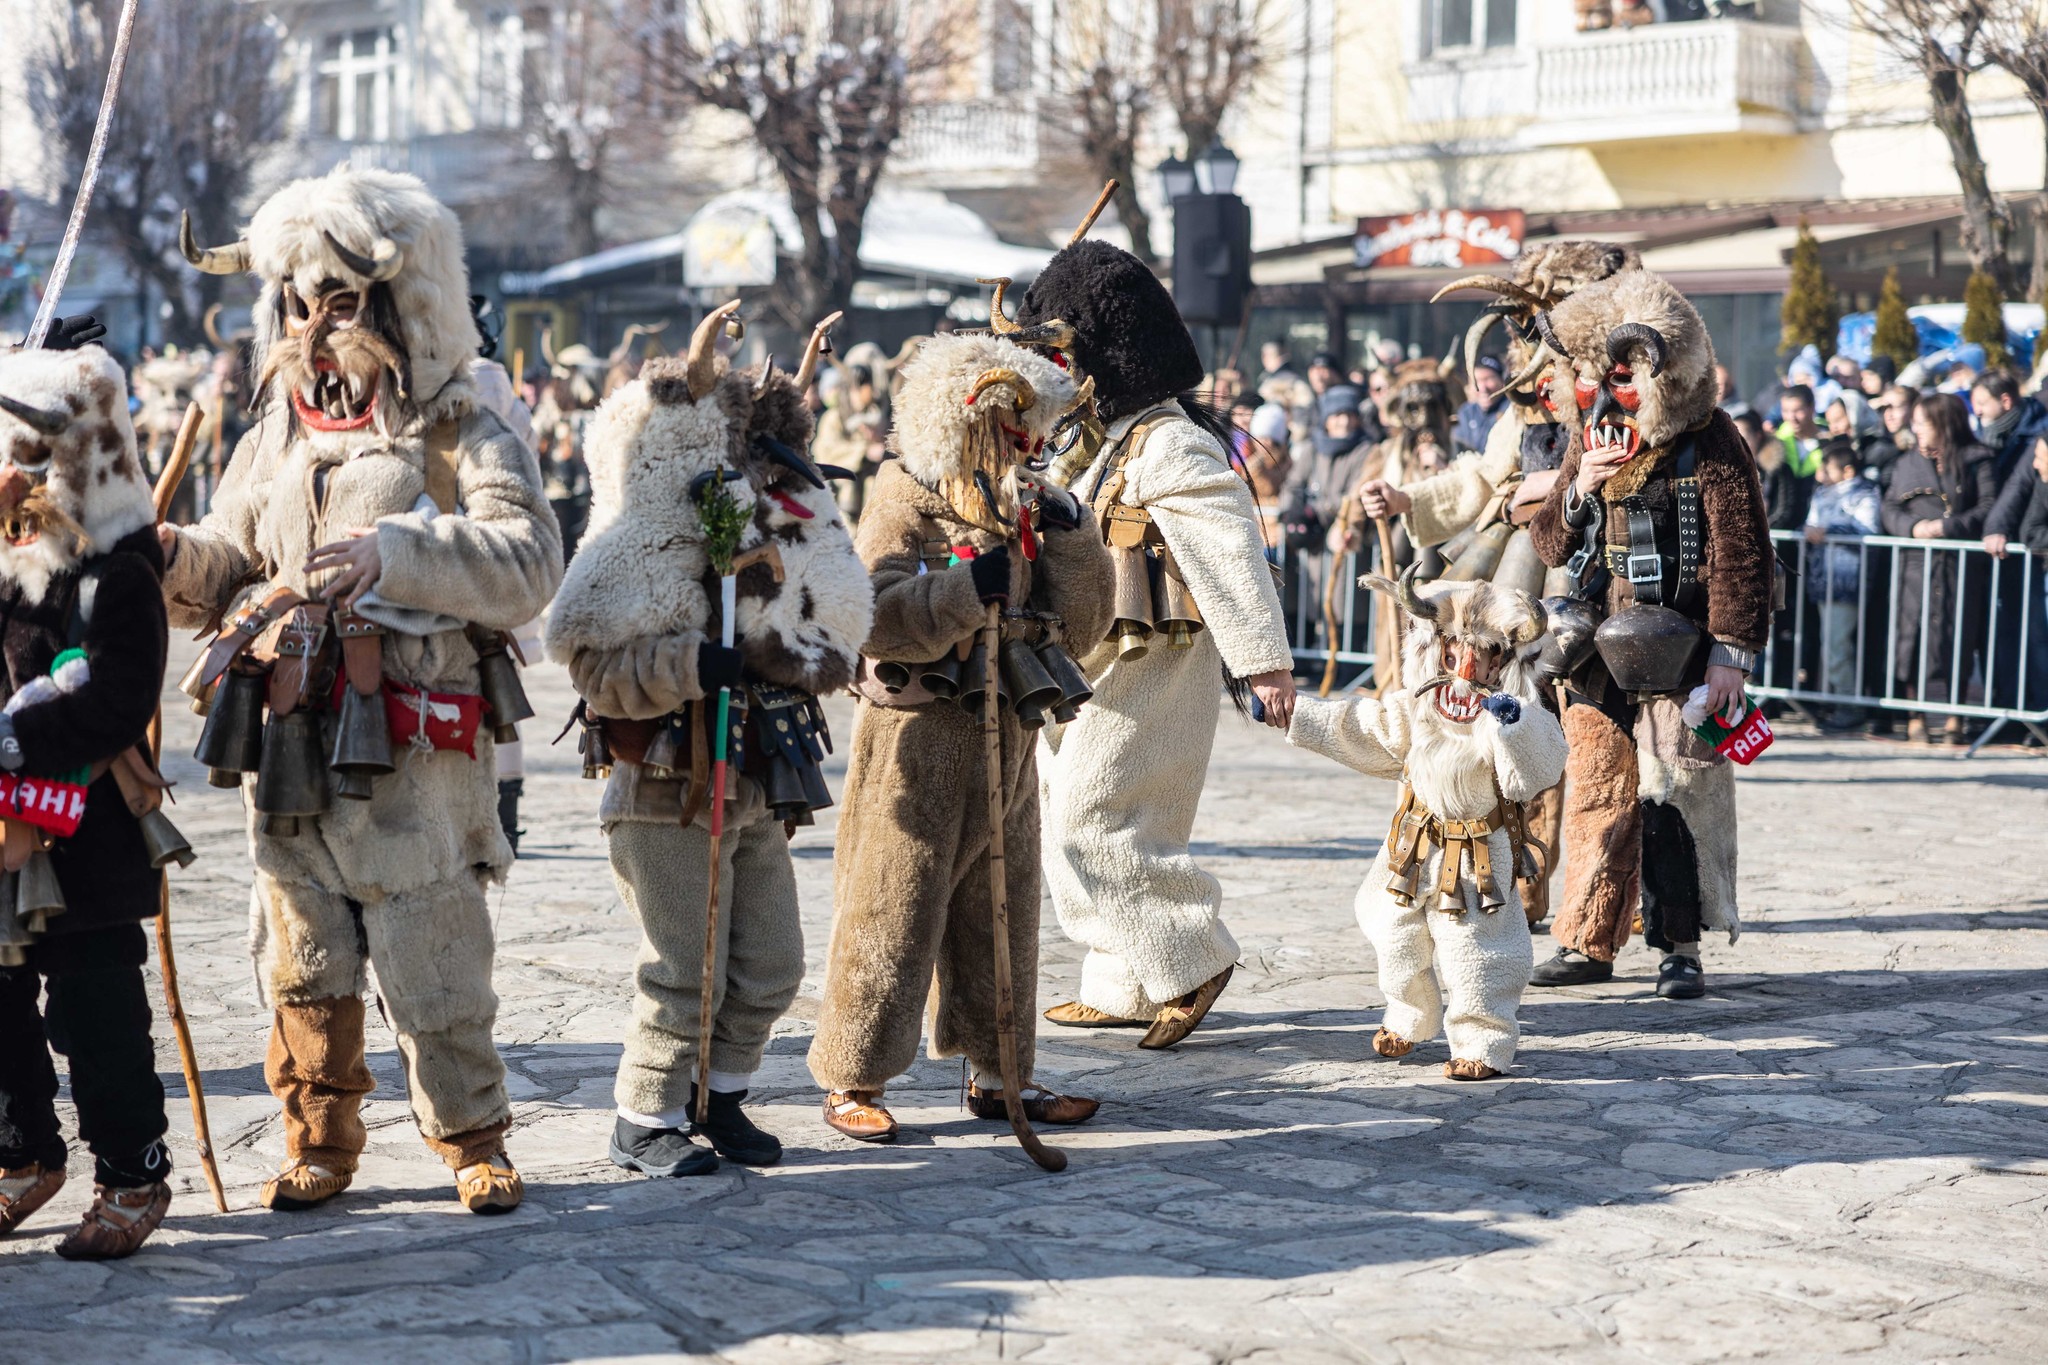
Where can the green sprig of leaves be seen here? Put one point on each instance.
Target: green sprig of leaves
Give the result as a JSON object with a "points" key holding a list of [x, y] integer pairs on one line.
{"points": [[724, 522]]}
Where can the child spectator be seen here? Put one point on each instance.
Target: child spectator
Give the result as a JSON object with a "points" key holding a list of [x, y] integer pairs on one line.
{"points": [[1845, 503]]}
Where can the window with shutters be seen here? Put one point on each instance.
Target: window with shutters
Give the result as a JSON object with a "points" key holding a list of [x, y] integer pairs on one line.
{"points": [[1455, 26]]}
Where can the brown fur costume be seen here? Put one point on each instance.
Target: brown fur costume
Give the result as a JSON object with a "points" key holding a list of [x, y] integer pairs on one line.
{"points": [[911, 897]]}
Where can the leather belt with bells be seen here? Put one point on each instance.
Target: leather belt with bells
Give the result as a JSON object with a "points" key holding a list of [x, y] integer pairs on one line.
{"points": [[243, 630], [1417, 829]]}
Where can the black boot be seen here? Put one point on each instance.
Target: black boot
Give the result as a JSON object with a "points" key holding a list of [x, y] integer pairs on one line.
{"points": [[731, 1133], [659, 1151], [1680, 977], [510, 789], [1570, 967]]}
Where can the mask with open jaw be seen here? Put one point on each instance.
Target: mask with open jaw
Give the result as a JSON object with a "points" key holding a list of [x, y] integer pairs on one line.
{"points": [[341, 354], [1467, 640]]}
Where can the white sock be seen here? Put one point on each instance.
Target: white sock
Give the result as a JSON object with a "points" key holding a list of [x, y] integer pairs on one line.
{"points": [[726, 1082], [668, 1118], [988, 1084], [1691, 950]]}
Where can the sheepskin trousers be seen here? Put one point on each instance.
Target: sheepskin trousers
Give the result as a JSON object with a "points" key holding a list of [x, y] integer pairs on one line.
{"points": [[1463, 974], [1603, 832], [1546, 826], [1122, 783], [432, 950], [911, 913], [98, 1017], [663, 874]]}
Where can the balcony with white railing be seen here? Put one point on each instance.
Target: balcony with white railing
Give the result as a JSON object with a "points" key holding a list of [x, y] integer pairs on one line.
{"points": [[1707, 79], [969, 142]]}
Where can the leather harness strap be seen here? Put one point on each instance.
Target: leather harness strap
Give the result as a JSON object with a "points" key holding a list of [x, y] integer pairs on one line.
{"points": [[442, 460], [1657, 579], [1417, 830]]}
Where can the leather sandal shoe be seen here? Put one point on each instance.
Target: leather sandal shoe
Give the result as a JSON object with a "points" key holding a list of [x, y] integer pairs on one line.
{"points": [[24, 1189], [1468, 1069], [302, 1185], [1680, 977], [859, 1114], [1177, 1020], [1074, 1014], [1040, 1105], [664, 1152], [490, 1185], [1390, 1044], [118, 1222], [1570, 967]]}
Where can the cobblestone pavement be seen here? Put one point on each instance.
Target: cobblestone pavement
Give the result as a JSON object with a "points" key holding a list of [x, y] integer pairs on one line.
{"points": [[1838, 1154]]}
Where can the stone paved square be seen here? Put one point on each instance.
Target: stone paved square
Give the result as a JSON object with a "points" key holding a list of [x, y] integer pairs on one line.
{"points": [[1839, 1154]]}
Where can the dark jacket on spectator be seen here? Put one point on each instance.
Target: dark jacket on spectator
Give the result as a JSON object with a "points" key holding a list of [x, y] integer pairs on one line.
{"points": [[1959, 494]]}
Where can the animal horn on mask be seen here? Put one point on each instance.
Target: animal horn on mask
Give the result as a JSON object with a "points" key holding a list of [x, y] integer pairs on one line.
{"points": [[212, 260], [699, 374], [1632, 334], [48, 421], [819, 344], [1019, 385], [381, 266]]}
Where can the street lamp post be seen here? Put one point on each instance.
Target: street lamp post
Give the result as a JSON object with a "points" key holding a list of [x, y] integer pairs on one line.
{"points": [[1212, 235]]}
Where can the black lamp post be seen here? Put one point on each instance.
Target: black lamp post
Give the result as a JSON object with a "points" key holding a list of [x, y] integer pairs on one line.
{"points": [[1176, 179], [1216, 168]]}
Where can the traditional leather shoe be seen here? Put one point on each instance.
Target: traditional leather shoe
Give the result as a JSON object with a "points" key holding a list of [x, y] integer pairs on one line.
{"points": [[731, 1133], [1040, 1105], [24, 1189], [1390, 1044], [1177, 1020], [490, 1186], [859, 1114], [302, 1185], [1681, 978], [119, 1221], [1074, 1014], [659, 1151], [1570, 967], [1468, 1069]]}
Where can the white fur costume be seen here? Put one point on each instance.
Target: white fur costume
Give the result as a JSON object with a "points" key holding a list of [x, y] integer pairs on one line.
{"points": [[1122, 782], [1463, 972]]}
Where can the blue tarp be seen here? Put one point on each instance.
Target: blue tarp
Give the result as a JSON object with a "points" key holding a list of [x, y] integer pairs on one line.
{"points": [[1940, 327]]}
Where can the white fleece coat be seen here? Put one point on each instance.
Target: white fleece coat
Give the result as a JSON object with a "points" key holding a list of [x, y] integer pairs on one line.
{"points": [[1462, 973], [1121, 783]]}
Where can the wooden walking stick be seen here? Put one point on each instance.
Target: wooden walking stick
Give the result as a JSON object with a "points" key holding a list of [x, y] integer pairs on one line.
{"points": [[1389, 670], [1101, 203], [174, 1005]]}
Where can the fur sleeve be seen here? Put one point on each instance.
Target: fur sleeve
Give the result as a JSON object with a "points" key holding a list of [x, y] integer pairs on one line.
{"points": [[1528, 756], [214, 558], [1556, 539], [1447, 503], [1072, 577], [1738, 568], [497, 563], [918, 616], [1206, 513], [1359, 732], [641, 679]]}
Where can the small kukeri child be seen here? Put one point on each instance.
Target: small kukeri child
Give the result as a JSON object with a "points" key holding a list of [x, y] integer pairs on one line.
{"points": [[1470, 743]]}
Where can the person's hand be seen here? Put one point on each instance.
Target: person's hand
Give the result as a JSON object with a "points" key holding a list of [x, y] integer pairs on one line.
{"points": [[355, 564], [717, 667], [1380, 499], [1596, 469], [1994, 545], [1342, 540], [991, 573], [1724, 689], [1275, 692], [1816, 536], [1927, 530], [167, 541], [1503, 708]]}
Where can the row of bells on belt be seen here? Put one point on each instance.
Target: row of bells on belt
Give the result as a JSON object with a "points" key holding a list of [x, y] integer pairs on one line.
{"points": [[32, 897], [1501, 554], [1039, 682], [1152, 604], [288, 757]]}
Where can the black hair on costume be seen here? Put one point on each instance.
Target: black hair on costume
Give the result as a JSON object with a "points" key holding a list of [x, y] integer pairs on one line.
{"points": [[1128, 335]]}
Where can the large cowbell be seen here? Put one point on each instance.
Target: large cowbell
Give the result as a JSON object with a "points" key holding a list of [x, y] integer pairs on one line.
{"points": [[362, 743], [1067, 675], [232, 741], [504, 695], [1650, 649], [292, 783], [1030, 686], [163, 842]]}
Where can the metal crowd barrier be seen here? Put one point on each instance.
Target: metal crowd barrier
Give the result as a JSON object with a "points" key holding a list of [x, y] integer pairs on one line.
{"points": [[1993, 632]]}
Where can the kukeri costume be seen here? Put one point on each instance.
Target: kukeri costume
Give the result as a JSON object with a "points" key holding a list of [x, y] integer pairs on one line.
{"points": [[1196, 604], [373, 804], [1676, 551], [1471, 743], [638, 624], [82, 625], [911, 898]]}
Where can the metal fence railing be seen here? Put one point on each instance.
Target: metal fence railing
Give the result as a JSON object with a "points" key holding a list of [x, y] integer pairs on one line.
{"points": [[1939, 627]]}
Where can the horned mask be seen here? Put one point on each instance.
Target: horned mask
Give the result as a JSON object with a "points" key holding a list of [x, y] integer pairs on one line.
{"points": [[977, 403], [1466, 641], [1544, 276]]}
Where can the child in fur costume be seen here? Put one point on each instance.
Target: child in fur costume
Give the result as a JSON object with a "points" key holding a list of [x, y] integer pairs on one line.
{"points": [[379, 492], [79, 571], [1470, 742], [638, 624], [912, 892]]}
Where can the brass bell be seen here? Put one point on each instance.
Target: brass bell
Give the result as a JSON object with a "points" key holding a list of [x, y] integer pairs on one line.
{"points": [[664, 755], [292, 782], [1067, 675], [1174, 609], [37, 895], [163, 841], [362, 743], [504, 695], [1132, 597], [974, 682], [1477, 561], [1133, 640], [941, 677], [201, 693], [893, 676], [1032, 688], [231, 742], [597, 755]]}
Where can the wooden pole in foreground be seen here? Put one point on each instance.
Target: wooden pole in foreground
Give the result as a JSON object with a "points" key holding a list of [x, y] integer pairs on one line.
{"points": [[1101, 203], [202, 1132]]}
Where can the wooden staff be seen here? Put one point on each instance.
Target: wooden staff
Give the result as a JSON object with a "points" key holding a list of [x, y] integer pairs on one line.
{"points": [[1389, 670], [1101, 203], [202, 1131]]}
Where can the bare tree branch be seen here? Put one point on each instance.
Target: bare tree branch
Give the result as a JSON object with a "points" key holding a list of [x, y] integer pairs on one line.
{"points": [[2015, 39], [1210, 54]]}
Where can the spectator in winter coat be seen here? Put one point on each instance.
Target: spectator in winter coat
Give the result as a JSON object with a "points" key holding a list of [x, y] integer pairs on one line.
{"points": [[2009, 425], [1845, 503], [1489, 398], [2025, 519]]}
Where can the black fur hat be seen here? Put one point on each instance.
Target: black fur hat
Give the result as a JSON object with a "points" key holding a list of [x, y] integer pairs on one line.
{"points": [[1129, 336]]}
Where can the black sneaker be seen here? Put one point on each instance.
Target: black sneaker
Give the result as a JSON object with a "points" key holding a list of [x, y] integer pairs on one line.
{"points": [[731, 1133], [659, 1151], [1681, 978], [1570, 967]]}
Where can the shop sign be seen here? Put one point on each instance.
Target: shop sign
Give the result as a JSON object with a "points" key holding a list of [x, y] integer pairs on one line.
{"points": [[1447, 238]]}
